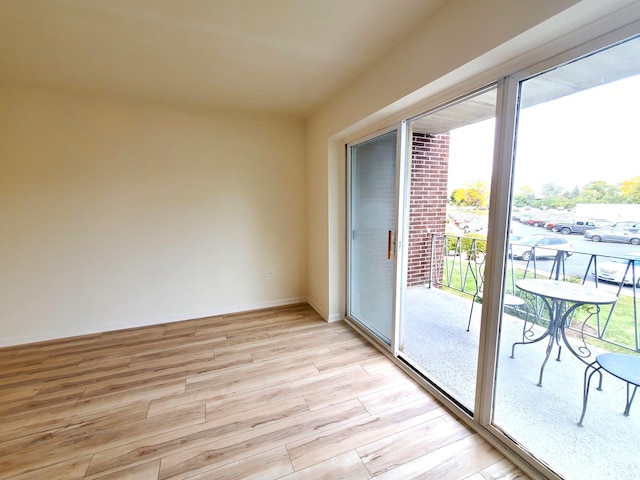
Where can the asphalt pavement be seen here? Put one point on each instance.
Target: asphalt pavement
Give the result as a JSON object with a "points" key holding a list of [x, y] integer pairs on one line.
{"points": [[583, 249]]}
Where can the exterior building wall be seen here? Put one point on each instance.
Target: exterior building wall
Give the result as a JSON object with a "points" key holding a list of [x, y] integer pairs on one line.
{"points": [[428, 200]]}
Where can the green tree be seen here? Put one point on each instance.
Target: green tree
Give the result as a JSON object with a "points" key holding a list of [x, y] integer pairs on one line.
{"points": [[598, 192], [525, 197], [573, 193], [552, 195], [551, 190]]}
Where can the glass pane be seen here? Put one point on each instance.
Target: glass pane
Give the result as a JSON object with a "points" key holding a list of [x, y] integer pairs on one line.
{"points": [[576, 198], [450, 173], [372, 233]]}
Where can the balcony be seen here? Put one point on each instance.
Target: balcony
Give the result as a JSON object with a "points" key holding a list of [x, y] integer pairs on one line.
{"points": [[543, 419]]}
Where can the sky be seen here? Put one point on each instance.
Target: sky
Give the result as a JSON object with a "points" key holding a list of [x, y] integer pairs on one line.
{"points": [[570, 141]]}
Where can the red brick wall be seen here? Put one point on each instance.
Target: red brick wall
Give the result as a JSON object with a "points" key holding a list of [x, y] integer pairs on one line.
{"points": [[428, 201]]}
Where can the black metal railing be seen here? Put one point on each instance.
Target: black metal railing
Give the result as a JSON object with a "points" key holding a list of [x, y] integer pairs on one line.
{"points": [[454, 266]]}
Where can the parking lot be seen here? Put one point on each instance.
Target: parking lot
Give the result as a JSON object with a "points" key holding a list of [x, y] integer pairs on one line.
{"points": [[584, 248]]}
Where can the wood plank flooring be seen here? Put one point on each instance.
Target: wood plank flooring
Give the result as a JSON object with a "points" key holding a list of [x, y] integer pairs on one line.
{"points": [[269, 394]]}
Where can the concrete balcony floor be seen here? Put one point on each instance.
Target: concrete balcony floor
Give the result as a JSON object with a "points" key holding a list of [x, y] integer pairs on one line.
{"points": [[541, 419]]}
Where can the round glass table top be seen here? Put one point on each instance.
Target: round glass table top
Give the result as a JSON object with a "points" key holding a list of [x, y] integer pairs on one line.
{"points": [[567, 291]]}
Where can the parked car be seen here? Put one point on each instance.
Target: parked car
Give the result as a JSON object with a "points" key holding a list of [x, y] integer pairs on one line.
{"points": [[472, 226], [541, 246], [579, 226], [613, 235], [631, 226], [551, 224], [536, 221], [620, 270]]}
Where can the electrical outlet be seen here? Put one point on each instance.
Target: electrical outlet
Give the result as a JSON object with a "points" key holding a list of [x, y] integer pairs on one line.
{"points": [[269, 273]]}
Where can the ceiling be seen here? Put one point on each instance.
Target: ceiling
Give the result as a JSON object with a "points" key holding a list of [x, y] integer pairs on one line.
{"points": [[284, 56]]}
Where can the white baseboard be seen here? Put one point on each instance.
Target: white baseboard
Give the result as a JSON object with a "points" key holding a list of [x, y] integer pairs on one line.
{"points": [[334, 317], [145, 322]]}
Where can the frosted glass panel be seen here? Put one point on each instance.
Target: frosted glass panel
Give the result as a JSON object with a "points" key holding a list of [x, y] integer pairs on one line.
{"points": [[373, 217]]}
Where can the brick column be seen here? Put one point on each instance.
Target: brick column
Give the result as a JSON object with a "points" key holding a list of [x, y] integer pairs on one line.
{"points": [[428, 201]]}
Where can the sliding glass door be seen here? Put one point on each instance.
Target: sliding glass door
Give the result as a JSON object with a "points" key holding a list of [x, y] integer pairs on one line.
{"points": [[576, 166], [447, 221], [372, 226], [449, 275]]}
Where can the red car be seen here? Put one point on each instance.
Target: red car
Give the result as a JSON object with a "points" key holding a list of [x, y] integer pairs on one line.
{"points": [[550, 224], [536, 221]]}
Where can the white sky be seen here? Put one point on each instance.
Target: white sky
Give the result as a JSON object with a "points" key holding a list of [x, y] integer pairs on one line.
{"points": [[592, 135]]}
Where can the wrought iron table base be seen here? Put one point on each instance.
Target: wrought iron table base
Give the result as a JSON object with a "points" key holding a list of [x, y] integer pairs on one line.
{"points": [[556, 333]]}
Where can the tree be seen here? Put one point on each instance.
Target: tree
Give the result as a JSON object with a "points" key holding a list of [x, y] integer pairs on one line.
{"points": [[598, 192], [457, 196], [573, 193], [475, 194], [552, 195], [525, 197], [630, 190], [551, 190]]}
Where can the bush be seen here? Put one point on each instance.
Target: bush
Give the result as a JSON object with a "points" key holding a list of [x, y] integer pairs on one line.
{"points": [[467, 244]]}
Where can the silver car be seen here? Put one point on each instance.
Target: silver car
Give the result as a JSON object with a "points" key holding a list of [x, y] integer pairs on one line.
{"points": [[630, 226], [613, 235], [621, 270], [539, 245]]}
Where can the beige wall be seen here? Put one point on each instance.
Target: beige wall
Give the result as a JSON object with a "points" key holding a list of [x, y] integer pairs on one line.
{"points": [[115, 214], [465, 46]]}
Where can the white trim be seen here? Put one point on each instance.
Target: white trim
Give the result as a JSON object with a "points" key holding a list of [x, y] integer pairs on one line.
{"points": [[399, 129], [327, 318], [590, 42], [499, 214], [402, 233], [336, 317]]}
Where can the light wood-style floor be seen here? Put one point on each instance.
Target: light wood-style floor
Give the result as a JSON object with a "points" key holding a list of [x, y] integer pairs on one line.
{"points": [[269, 394]]}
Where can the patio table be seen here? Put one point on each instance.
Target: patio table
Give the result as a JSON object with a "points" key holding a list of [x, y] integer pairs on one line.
{"points": [[557, 295]]}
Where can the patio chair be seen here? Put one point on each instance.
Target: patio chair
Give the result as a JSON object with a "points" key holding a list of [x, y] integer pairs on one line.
{"points": [[623, 366], [476, 268]]}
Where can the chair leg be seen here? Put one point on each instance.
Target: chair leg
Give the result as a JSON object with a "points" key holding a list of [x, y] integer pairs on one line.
{"points": [[629, 398], [473, 302]]}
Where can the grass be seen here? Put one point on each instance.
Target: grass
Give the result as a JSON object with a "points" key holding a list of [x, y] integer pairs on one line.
{"points": [[618, 334]]}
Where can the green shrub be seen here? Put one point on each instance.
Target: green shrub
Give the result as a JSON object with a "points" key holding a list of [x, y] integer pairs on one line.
{"points": [[467, 243]]}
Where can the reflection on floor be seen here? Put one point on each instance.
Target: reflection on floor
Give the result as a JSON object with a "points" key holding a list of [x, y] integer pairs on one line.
{"points": [[542, 419]]}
